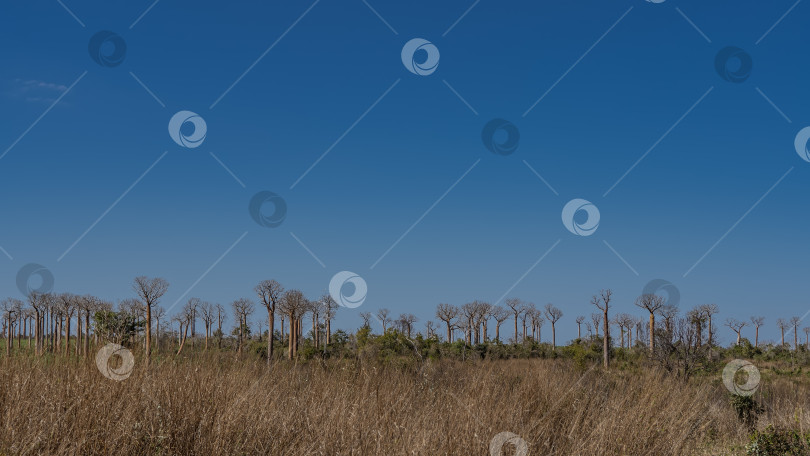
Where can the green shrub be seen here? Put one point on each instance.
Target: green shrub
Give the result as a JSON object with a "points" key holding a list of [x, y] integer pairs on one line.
{"points": [[778, 442]]}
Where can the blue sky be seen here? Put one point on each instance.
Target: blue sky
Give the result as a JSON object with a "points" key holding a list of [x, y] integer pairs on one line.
{"points": [[280, 84]]}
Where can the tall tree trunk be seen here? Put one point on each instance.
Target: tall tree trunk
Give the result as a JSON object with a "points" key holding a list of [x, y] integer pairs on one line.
{"points": [[605, 344], [183, 341], [148, 332], [652, 332], [553, 336], [270, 336]]}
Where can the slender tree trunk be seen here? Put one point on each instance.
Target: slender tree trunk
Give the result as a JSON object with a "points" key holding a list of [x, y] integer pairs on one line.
{"points": [[270, 337], [148, 332], [605, 344], [652, 332], [183, 341], [553, 336]]}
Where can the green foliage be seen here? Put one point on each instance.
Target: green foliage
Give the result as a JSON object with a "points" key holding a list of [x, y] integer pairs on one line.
{"points": [[117, 326], [747, 409], [778, 442]]}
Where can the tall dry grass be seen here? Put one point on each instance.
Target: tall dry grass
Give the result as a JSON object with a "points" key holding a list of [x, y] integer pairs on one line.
{"points": [[216, 405]]}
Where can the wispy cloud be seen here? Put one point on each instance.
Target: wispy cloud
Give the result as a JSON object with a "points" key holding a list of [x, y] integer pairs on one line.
{"points": [[31, 84], [35, 91]]}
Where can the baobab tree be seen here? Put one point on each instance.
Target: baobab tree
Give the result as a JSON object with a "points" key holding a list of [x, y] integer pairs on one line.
{"points": [[430, 329], [242, 307], [536, 318], [697, 316], [221, 315], [293, 304], [482, 314], [40, 303], [794, 322], [757, 322], [807, 337], [207, 313], [553, 314], [602, 302], [709, 310], [736, 326], [186, 320], [579, 321], [382, 315], [517, 307], [88, 305], [149, 291], [669, 312], [407, 321], [69, 303], [270, 293], [625, 323], [11, 308], [160, 314], [330, 307], [500, 315], [596, 318], [468, 312], [652, 303], [782, 325]]}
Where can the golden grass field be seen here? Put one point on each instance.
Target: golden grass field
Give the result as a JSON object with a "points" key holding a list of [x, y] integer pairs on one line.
{"points": [[217, 405]]}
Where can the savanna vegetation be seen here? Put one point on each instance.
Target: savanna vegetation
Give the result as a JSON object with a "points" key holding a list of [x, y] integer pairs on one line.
{"points": [[212, 379]]}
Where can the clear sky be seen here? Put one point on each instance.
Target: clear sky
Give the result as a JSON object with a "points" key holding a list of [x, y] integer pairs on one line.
{"points": [[692, 167]]}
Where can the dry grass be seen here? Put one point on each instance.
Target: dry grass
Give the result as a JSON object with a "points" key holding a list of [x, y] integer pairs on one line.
{"points": [[216, 405]]}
